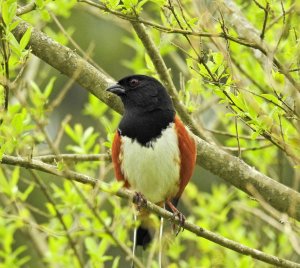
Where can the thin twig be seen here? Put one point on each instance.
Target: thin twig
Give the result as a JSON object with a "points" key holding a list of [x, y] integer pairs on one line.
{"points": [[266, 10], [61, 130], [6, 56], [223, 133], [240, 149], [283, 11]]}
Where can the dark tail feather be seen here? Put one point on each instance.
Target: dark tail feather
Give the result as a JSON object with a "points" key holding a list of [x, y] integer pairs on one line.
{"points": [[143, 237]]}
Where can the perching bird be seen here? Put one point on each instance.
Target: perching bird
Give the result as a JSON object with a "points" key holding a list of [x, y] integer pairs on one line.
{"points": [[153, 152]]}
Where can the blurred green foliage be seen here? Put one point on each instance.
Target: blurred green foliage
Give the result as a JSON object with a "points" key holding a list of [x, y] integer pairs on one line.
{"points": [[226, 85]]}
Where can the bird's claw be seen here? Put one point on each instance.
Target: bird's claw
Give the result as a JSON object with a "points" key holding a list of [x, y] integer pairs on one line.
{"points": [[140, 200], [181, 218], [177, 214]]}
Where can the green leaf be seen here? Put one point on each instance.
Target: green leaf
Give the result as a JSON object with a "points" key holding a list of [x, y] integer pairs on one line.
{"points": [[113, 187], [149, 62], [160, 3], [254, 135], [271, 98], [75, 149], [72, 134], [14, 44], [17, 123], [13, 25], [5, 14], [61, 166], [25, 38], [90, 142], [278, 77], [141, 3], [91, 245], [5, 187], [27, 192], [237, 99], [114, 3], [8, 11], [39, 3], [15, 178], [87, 133], [49, 87], [115, 263]]}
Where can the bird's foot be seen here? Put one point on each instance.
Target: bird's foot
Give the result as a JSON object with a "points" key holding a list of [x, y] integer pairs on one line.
{"points": [[140, 200], [177, 214], [181, 219]]}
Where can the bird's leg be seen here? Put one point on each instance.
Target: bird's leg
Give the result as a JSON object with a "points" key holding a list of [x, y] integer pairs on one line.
{"points": [[139, 199], [179, 215]]}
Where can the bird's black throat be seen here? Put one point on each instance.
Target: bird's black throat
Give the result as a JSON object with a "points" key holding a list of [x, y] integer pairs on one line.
{"points": [[145, 127]]}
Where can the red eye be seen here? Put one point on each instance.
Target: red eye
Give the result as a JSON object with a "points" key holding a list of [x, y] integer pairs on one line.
{"points": [[134, 82]]}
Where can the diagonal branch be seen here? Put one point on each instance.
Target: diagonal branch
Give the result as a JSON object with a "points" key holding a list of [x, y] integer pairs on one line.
{"points": [[124, 193], [233, 170]]}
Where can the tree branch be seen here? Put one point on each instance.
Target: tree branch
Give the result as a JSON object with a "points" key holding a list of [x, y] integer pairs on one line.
{"points": [[124, 193], [228, 167], [26, 9], [72, 157]]}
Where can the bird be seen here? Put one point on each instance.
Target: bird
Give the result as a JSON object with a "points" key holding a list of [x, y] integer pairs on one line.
{"points": [[153, 152]]}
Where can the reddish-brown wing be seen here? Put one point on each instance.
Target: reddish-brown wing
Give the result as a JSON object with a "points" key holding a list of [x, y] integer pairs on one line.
{"points": [[187, 148], [116, 158]]}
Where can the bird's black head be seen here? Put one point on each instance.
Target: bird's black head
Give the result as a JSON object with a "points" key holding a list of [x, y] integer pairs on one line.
{"points": [[148, 107], [142, 93]]}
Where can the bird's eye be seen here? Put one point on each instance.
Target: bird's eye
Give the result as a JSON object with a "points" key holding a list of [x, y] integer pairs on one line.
{"points": [[134, 82]]}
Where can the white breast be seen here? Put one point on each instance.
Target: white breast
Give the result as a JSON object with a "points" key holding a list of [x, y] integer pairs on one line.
{"points": [[153, 171]]}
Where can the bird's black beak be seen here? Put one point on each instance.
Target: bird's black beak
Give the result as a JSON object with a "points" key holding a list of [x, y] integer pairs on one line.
{"points": [[116, 89]]}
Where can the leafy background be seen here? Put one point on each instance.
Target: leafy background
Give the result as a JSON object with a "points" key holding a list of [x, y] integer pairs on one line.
{"points": [[248, 103]]}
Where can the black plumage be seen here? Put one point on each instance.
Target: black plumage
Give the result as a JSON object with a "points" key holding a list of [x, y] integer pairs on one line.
{"points": [[148, 108]]}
